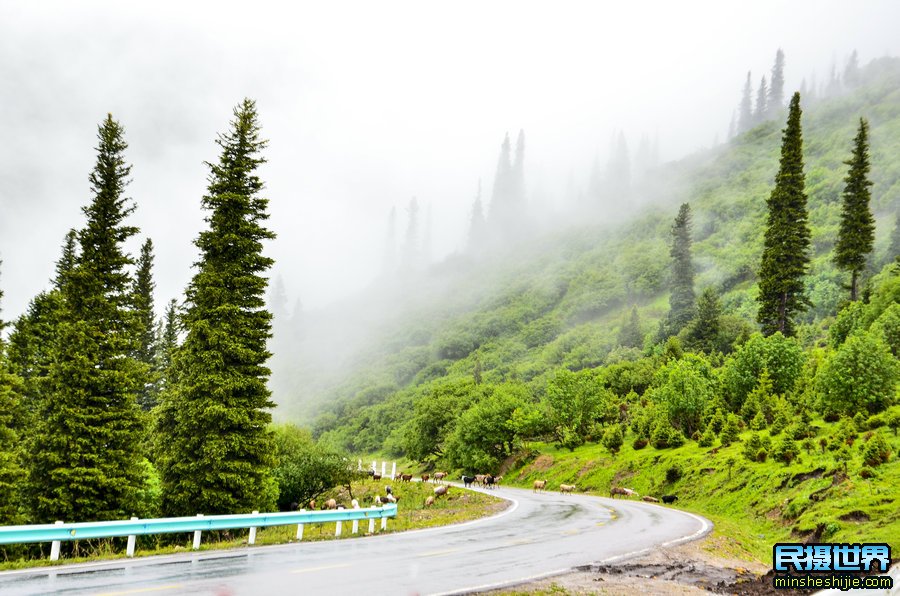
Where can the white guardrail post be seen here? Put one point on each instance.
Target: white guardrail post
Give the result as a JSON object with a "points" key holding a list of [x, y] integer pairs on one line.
{"points": [[393, 470], [132, 538], [197, 536], [300, 528], [252, 538], [55, 546], [355, 521], [338, 526], [383, 466], [371, 525]]}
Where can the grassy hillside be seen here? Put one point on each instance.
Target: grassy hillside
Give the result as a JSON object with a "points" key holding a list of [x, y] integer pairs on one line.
{"points": [[523, 355]]}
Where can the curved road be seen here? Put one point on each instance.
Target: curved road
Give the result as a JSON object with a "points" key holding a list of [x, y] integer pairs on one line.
{"points": [[538, 535]]}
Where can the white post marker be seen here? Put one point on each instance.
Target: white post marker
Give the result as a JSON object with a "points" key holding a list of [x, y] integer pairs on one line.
{"points": [[384, 523], [355, 521], [55, 546], [373, 467], [129, 550], [252, 538], [393, 469], [197, 536], [359, 465], [338, 525], [383, 465], [300, 528]]}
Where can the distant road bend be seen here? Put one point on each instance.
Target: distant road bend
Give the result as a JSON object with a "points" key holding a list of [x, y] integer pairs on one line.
{"points": [[539, 535]]}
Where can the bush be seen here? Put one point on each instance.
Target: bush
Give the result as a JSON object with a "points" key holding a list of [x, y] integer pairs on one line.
{"points": [[673, 474], [613, 438], [752, 447], [782, 357], [876, 451], [707, 438], [861, 376], [730, 431], [639, 443], [785, 450]]}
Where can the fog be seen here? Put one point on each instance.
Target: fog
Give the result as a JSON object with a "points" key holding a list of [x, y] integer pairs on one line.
{"points": [[367, 105]]}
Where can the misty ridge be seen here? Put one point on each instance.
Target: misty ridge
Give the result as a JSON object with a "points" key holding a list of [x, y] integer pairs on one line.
{"points": [[511, 225]]}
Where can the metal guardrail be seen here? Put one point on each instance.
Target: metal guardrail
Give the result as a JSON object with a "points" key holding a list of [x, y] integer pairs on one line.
{"points": [[168, 525]]}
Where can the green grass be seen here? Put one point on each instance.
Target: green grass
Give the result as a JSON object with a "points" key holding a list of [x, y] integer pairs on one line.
{"points": [[458, 506], [753, 504]]}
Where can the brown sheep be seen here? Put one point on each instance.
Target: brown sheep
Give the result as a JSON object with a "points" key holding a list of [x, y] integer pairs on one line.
{"points": [[429, 501], [440, 490], [312, 504], [651, 499], [405, 477], [497, 480], [566, 488], [439, 476], [539, 485], [376, 476], [330, 504], [425, 477]]}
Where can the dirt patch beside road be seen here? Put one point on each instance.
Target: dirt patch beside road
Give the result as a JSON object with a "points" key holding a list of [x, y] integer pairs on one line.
{"points": [[688, 569]]}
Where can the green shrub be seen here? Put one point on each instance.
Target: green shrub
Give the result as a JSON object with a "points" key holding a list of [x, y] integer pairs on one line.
{"points": [[876, 451], [785, 450]]}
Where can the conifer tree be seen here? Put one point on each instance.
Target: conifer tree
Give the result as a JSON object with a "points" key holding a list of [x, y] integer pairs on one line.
{"points": [[477, 229], [681, 300], [851, 71], [631, 336], [894, 248], [761, 99], [411, 244], [390, 244], [785, 255], [166, 344], [217, 453], [745, 111], [776, 86], [12, 425], [499, 208], [146, 321], [85, 453], [856, 234], [703, 332]]}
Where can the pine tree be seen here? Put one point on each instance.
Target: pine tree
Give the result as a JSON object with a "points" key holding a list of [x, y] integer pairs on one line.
{"points": [[166, 344], [776, 87], [856, 234], [146, 320], [894, 248], [761, 99], [851, 71], [681, 300], [85, 453], [745, 111], [390, 244], [785, 255], [411, 244], [499, 208], [12, 418], [217, 453], [477, 240], [630, 335], [703, 332]]}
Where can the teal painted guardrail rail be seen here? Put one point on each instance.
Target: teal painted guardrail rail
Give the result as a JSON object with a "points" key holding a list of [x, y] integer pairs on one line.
{"points": [[168, 525]]}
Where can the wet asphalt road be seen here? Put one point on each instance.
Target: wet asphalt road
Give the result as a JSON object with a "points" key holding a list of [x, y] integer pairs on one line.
{"points": [[539, 534]]}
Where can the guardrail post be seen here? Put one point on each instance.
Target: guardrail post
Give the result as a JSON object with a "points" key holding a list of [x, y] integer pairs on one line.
{"points": [[393, 469], [129, 550], [384, 523], [338, 526], [55, 546], [300, 528], [373, 467], [252, 538], [359, 465], [355, 521], [197, 536], [383, 466], [371, 525]]}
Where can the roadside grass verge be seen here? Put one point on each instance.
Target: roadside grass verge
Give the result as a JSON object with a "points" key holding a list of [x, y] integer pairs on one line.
{"points": [[459, 505]]}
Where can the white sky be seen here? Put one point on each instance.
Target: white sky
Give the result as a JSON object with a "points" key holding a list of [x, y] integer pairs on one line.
{"points": [[365, 105]]}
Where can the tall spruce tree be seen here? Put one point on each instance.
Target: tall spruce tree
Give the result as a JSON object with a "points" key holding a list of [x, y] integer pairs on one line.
{"points": [[630, 334], [146, 321], [217, 451], [776, 85], [785, 255], [12, 426], [85, 453], [856, 234], [894, 247], [703, 332], [745, 111], [681, 300], [762, 96], [477, 241]]}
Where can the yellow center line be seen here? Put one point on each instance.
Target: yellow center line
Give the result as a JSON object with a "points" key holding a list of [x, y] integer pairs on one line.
{"points": [[142, 590], [322, 568], [570, 532], [438, 552]]}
